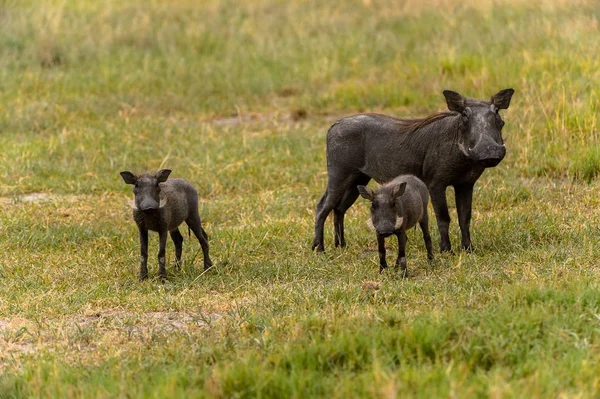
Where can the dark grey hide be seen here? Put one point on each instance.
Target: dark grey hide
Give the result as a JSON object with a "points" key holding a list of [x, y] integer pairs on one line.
{"points": [[162, 205], [446, 149], [396, 207]]}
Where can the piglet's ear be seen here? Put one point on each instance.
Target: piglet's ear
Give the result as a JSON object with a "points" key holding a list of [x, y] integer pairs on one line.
{"points": [[502, 99], [366, 192], [128, 177], [455, 101], [398, 190], [162, 175]]}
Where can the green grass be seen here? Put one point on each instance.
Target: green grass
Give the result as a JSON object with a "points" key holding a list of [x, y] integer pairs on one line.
{"points": [[237, 98]]}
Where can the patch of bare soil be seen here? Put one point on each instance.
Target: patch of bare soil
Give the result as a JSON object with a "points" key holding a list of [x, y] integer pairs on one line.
{"points": [[88, 332], [135, 321], [294, 115], [15, 340], [38, 198]]}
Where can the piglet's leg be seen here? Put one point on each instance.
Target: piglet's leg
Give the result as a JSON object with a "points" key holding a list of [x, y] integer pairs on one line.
{"points": [[178, 241], [381, 250], [162, 271], [196, 226], [143, 254], [401, 261]]}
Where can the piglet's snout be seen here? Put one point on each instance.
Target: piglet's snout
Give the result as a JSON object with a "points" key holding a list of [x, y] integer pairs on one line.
{"points": [[148, 205]]}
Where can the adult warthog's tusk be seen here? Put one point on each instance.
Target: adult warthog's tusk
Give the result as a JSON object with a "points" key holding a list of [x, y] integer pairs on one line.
{"points": [[462, 149], [370, 224]]}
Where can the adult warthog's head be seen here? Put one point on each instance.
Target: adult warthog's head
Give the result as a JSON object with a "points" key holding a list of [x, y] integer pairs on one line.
{"points": [[480, 138]]}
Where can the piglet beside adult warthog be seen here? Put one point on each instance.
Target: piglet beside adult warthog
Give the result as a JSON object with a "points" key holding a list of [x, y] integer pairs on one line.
{"points": [[397, 206], [445, 149], [162, 205]]}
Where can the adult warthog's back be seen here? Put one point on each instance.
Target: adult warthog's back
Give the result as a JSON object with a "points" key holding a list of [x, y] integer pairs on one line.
{"points": [[445, 149]]}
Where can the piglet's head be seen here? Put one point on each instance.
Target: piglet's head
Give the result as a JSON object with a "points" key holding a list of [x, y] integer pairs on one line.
{"points": [[387, 212], [146, 189]]}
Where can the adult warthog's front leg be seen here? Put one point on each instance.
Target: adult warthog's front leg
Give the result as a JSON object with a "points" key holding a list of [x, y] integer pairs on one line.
{"points": [[464, 204], [440, 207], [424, 223]]}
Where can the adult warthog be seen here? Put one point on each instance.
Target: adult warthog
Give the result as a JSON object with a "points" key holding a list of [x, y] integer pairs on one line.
{"points": [[445, 149]]}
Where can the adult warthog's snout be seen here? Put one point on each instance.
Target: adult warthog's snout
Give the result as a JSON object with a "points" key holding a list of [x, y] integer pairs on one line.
{"points": [[148, 205], [489, 154]]}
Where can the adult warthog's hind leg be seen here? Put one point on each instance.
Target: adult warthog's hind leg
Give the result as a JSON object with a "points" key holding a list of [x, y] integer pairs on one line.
{"points": [[339, 211], [336, 189]]}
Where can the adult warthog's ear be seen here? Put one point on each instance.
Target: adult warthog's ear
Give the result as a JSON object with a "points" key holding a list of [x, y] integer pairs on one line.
{"points": [[129, 177], [162, 175], [398, 190], [502, 99], [455, 101], [366, 192]]}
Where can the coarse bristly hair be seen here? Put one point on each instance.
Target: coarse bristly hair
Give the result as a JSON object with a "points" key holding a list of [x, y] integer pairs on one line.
{"points": [[412, 125]]}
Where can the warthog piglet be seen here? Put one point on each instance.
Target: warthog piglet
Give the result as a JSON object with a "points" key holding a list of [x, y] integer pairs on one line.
{"points": [[396, 207], [161, 205]]}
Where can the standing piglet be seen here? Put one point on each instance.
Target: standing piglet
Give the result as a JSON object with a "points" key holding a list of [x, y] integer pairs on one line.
{"points": [[396, 207], [162, 205]]}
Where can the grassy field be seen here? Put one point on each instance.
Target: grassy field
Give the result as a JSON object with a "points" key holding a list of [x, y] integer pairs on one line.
{"points": [[237, 98]]}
